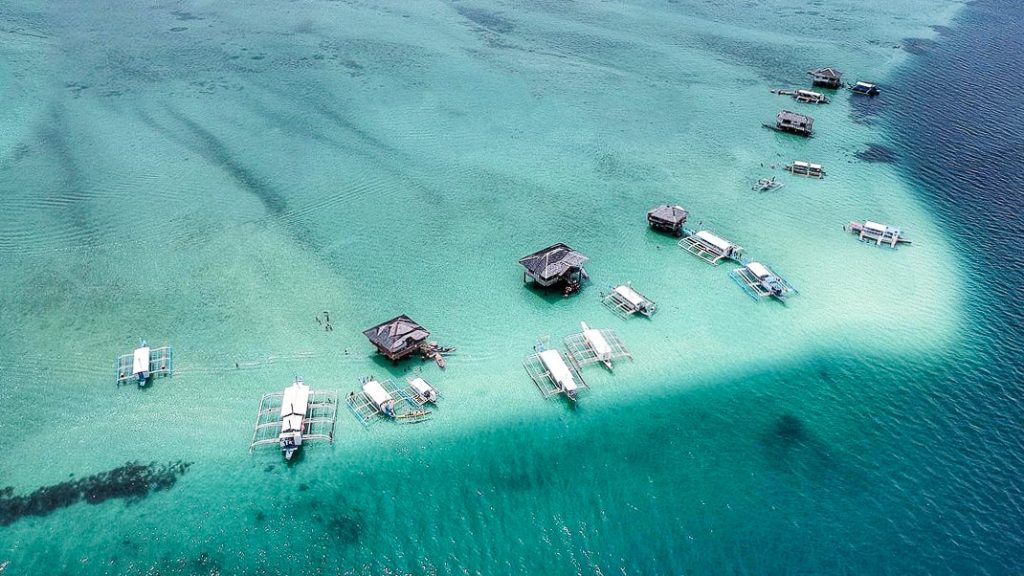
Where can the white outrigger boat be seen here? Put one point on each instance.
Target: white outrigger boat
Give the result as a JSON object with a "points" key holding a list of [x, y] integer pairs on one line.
{"points": [[595, 345], [758, 281], [384, 398], [421, 391], [624, 301], [295, 416], [869, 231], [551, 374], [144, 362], [710, 248]]}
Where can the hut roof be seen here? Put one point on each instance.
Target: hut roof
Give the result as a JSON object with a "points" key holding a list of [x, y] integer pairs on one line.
{"points": [[794, 118], [397, 334], [827, 73], [668, 213], [552, 261]]}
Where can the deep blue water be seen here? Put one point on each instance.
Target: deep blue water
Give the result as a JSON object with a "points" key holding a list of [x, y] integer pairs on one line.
{"points": [[957, 125]]}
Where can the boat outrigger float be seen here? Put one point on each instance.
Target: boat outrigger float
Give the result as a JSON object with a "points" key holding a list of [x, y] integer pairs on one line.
{"points": [[142, 364], [294, 417]]}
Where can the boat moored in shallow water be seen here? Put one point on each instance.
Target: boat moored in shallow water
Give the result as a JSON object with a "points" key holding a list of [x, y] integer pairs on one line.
{"points": [[758, 281], [868, 231]]}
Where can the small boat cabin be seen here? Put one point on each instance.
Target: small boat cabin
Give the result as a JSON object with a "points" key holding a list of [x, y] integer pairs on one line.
{"points": [[869, 231], [810, 97], [667, 218], [625, 301], [758, 281], [793, 123], [826, 77], [710, 248], [866, 89], [398, 337], [555, 265], [807, 169]]}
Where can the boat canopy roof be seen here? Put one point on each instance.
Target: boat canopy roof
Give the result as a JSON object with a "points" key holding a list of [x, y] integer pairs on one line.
{"points": [[875, 226], [553, 261], [816, 166], [715, 241], [758, 269], [397, 334], [801, 163], [420, 385], [293, 406], [630, 295], [140, 360], [376, 393], [866, 85], [560, 373]]}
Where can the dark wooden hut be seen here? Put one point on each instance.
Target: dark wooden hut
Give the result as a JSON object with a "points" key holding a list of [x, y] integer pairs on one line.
{"points": [[826, 77], [558, 264], [667, 218], [398, 337], [799, 124]]}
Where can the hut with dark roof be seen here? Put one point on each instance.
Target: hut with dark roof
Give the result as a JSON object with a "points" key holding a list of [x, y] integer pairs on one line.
{"points": [[826, 77], [667, 218], [558, 264], [398, 337], [799, 124]]}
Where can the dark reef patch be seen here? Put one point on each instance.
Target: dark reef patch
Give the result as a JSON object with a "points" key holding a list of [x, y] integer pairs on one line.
{"points": [[918, 46], [491, 21], [131, 482], [878, 153]]}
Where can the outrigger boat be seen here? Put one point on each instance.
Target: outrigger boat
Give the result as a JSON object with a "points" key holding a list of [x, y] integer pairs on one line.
{"points": [[865, 88], [384, 398], [767, 184], [758, 281], [709, 247], [595, 345], [624, 301], [869, 231], [551, 374], [421, 391], [304, 415], [144, 362]]}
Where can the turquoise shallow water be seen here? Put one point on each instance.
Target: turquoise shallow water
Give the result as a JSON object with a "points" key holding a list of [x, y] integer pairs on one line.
{"points": [[214, 178]]}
